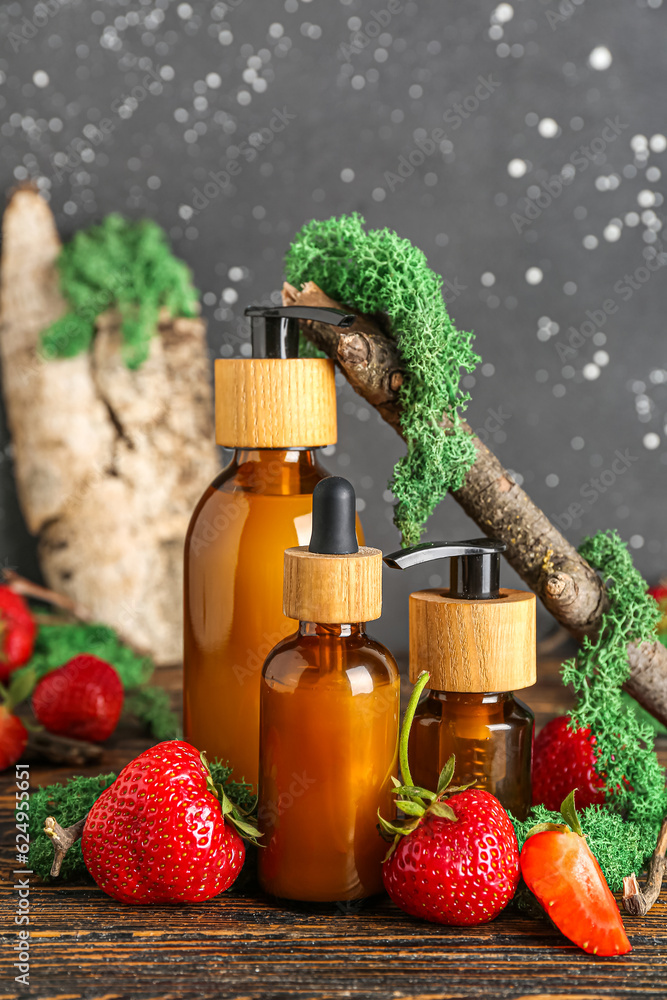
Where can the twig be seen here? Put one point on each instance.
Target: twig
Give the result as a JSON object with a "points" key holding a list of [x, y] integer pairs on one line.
{"points": [[63, 750], [20, 585], [62, 839], [638, 901], [566, 584]]}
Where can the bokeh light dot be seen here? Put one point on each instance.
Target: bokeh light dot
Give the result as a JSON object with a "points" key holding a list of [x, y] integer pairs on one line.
{"points": [[600, 58]]}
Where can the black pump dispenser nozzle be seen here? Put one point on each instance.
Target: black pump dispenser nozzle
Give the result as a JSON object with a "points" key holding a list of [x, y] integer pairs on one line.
{"points": [[475, 568], [334, 529], [275, 330]]}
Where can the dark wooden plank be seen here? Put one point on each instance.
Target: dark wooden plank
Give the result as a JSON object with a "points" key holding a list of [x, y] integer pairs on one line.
{"points": [[85, 944]]}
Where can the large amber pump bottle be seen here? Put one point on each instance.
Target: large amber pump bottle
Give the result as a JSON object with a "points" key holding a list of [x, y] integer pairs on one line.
{"points": [[478, 644], [329, 718], [274, 409]]}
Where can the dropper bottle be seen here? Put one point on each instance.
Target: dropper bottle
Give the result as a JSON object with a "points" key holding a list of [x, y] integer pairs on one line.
{"points": [[274, 410], [477, 641], [329, 712]]}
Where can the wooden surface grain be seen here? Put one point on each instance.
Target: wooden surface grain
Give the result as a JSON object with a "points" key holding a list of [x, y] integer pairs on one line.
{"points": [[244, 945]]}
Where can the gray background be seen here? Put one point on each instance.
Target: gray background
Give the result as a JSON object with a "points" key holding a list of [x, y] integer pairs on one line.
{"points": [[209, 75]]}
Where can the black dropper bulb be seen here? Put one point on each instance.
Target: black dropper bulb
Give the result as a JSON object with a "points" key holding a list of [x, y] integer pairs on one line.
{"points": [[334, 511], [275, 329]]}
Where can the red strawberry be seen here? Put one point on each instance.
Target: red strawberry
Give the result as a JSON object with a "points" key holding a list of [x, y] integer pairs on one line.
{"points": [[164, 832], [660, 594], [564, 759], [13, 734], [17, 632], [559, 868], [455, 859], [659, 591], [13, 738], [83, 699]]}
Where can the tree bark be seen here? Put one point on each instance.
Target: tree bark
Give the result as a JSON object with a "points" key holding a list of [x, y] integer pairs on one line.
{"points": [[62, 839], [108, 462], [63, 749], [565, 583], [638, 901]]}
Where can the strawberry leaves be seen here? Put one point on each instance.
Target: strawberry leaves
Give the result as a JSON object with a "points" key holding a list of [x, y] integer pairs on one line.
{"points": [[20, 687], [242, 820], [446, 774], [569, 814], [414, 802], [444, 811]]}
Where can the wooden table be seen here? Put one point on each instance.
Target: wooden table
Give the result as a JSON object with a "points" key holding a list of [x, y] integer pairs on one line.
{"points": [[245, 945]]}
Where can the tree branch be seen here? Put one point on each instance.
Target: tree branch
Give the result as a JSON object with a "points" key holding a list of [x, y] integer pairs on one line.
{"points": [[63, 749], [566, 584], [26, 588], [62, 839], [639, 901]]}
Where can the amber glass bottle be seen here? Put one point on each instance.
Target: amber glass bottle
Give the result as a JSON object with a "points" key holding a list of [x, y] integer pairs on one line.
{"points": [[477, 643], [234, 552], [273, 409], [330, 713], [329, 729], [491, 736]]}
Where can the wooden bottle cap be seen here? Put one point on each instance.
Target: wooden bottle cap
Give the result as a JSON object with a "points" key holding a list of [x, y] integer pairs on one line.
{"points": [[333, 588], [473, 646], [275, 402]]}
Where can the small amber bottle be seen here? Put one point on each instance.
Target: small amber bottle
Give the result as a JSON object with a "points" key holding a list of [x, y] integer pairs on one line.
{"points": [[329, 713], [478, 644]]}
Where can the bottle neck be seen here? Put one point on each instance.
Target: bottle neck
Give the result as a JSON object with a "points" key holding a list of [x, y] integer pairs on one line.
{"points": [[267, 456], [276, 471], [471, 697], [342, 631]]}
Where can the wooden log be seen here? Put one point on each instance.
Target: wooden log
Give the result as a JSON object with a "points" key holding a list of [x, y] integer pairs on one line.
{"points": [[109, 462], [550, 565]]}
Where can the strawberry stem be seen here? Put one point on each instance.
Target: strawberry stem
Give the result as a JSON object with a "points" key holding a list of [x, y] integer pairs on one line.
{"points": [[422, 681]]}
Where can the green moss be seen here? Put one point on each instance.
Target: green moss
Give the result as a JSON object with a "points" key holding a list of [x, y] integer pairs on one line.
{"points": [[68, 803], [626, 758], [656, 726], [152, 707], [376, 271], [56, 644], [622, 833], [127, 265]]}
